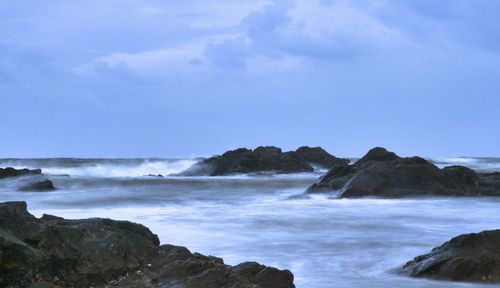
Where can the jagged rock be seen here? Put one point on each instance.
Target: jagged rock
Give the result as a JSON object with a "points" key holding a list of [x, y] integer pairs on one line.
{"points": [[319, 157], [53, 252], [383, 173], [470, 257], [262, 159]]}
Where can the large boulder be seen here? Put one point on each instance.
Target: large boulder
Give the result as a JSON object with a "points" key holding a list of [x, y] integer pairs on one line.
{"points": [[53, 252], [317, 156], [470, 257], [385, 174], [243, 161]]}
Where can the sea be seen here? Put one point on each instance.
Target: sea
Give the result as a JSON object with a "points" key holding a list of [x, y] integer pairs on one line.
{"points": [[326, 242]]}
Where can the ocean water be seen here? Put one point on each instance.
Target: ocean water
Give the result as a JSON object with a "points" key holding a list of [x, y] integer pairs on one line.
{"points": [[325, 242]]}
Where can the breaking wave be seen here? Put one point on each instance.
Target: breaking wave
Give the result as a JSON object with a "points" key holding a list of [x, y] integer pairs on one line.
{"points": [[106, 168]]}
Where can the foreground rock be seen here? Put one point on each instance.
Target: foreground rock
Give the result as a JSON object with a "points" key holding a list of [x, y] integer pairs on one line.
{"points": [[54, 252], [385, 174], [25, 180], [470, 257], [263, 159]]}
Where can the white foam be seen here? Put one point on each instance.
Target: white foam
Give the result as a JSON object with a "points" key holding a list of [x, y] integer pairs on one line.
{"points": [[115, 170]]}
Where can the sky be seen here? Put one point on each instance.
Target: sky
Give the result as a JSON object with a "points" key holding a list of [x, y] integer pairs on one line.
{"points": [[122, 78]]}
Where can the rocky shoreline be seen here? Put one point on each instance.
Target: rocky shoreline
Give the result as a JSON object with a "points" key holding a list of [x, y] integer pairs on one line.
{"points": [[53, 252]]}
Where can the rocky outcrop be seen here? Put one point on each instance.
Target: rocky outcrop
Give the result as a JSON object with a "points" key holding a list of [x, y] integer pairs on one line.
{"points": [[239, 161], [25, 180], [385, 174], [53, 252], [12, 172], [470, 257], [317, 156], [264, 159]]}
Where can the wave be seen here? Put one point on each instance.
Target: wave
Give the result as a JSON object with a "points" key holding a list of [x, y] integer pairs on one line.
{"points": [[481, 164], [108, 168]]}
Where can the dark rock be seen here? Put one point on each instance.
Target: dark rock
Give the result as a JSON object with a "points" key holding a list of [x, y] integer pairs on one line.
{"points": [[12, 172], [262, 159], [25, 180], [318, 156], [154, 175], [54, 252], [44, 185], [377, 154], [470, 257], [383, 173]]}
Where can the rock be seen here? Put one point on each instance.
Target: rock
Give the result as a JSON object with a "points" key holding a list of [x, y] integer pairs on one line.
{"points": [[54, 252], [384, 174], [262, 159], [44, 185], [319, 157], [470, 257], [154, 175], [12, 172], [25, 180]]}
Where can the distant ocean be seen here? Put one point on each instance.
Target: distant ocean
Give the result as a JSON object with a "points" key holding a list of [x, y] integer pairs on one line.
{"points": [[325, 242]]}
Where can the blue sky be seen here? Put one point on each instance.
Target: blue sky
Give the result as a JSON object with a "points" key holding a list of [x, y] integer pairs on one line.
{"points": [[101, 78]]}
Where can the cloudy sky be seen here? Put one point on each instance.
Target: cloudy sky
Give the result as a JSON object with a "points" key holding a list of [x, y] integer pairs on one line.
{"points": [[122, 78]]}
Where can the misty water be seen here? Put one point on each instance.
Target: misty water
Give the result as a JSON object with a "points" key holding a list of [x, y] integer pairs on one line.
{"points": [[325, 242]]}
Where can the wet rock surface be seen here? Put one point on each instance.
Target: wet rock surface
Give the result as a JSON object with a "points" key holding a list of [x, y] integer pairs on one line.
{"points": [[54, 252], [264, 159], [470, 257], [383, 173]]}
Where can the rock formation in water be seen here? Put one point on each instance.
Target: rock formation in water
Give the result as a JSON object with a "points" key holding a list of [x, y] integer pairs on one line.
{"points": [[12, 172], [25, 179], [470, 257], [263, 159], [385, 174], [53, 252], [319, 157]]}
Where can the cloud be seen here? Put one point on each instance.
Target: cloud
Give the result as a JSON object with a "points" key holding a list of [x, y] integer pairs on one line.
{"points": [[337, 31], [276, 31], [230, 53]]}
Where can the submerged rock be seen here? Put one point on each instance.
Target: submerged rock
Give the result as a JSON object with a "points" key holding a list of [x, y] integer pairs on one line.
{"points": [[54, 252], [264, 159], [470, 257], [383, 173], [43, 185]]}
